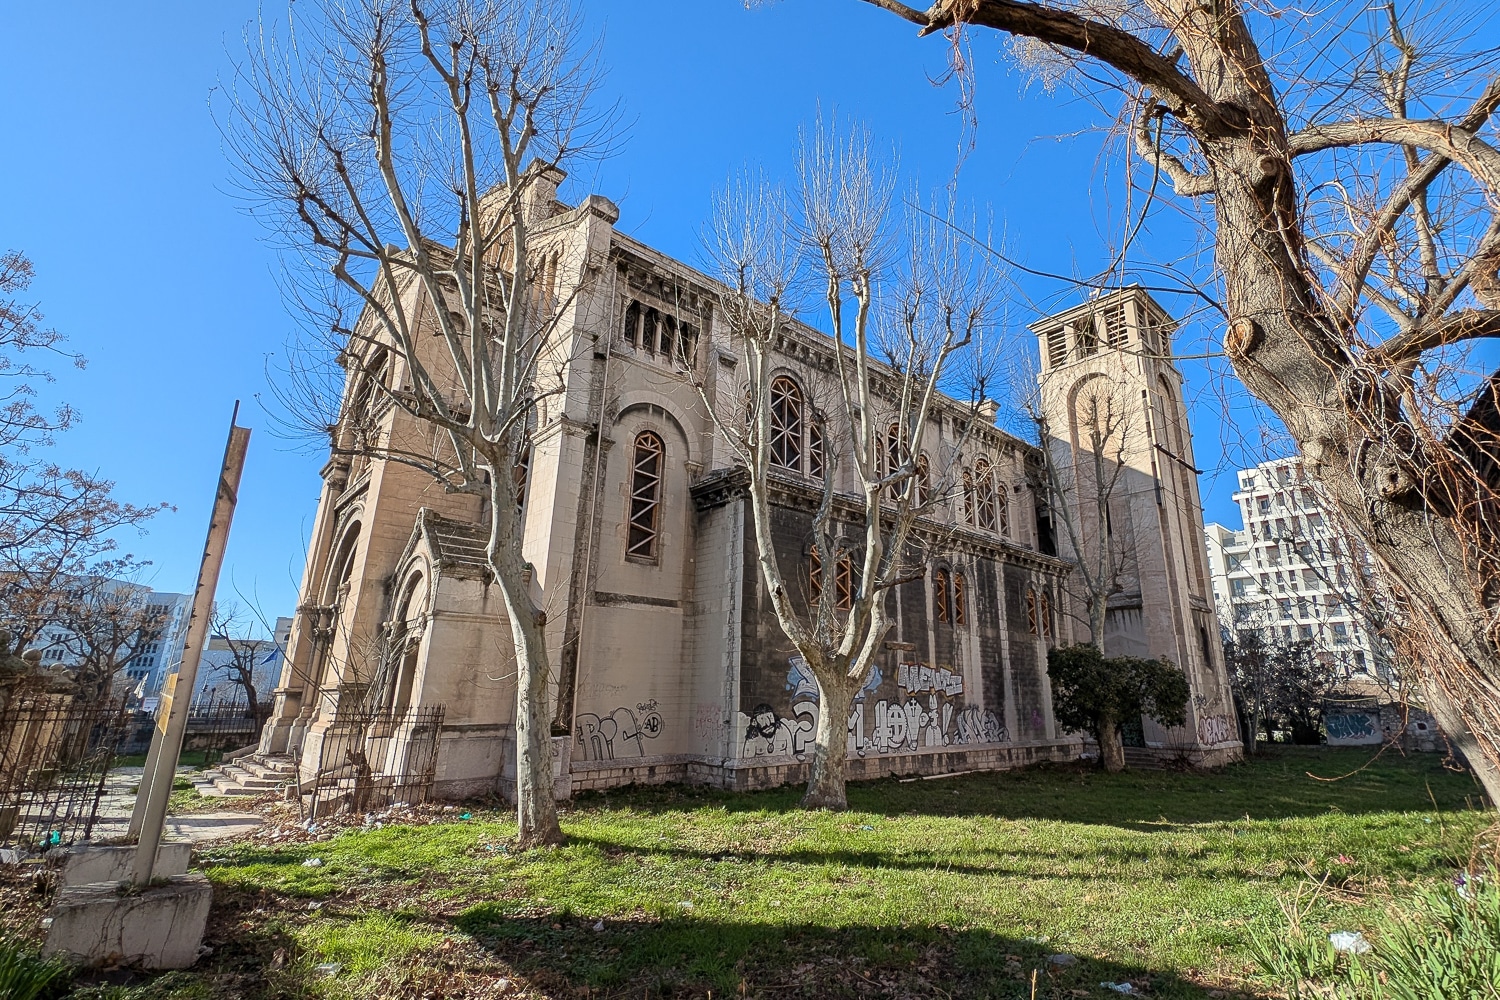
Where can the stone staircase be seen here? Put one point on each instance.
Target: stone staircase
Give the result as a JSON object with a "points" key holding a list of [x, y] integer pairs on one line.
{"points": [[254, 774]]}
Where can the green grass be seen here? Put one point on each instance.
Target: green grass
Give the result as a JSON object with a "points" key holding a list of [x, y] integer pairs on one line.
{"points": [[188, 758], [956, 887]]}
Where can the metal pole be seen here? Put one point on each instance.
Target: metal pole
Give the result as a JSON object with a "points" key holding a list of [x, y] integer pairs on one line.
{"points": [[171, 720]]}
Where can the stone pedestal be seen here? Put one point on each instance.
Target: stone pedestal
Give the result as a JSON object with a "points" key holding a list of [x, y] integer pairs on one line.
{"points": [[160, 927], [84, 865]]}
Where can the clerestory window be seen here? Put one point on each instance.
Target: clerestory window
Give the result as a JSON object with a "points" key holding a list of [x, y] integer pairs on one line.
{"points": [[786, 423], [647, 465]]}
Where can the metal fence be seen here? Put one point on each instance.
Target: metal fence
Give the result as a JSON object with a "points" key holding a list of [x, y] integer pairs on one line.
{"points": [[223, 726], [371, 760], [55, 754]]}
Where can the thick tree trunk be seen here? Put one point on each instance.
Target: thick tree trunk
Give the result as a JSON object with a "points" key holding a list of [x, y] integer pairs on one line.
{"points": [[1111, 750], [830, 757], [1459, 735], [536, 806]]}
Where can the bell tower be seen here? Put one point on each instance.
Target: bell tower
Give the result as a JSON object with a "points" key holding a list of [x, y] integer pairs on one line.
{"points": [[1126, 507]]}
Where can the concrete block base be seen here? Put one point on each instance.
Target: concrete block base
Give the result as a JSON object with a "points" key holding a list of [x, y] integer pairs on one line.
{"points": [[84, 865], [160, 927]]}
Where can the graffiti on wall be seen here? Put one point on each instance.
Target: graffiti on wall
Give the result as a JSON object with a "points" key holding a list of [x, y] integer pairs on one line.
{"points": [[927, 712], [764, 733], [1215, 729], [622, 733], [1352, 727]]}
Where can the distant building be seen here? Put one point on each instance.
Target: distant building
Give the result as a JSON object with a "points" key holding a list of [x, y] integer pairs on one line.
{"points": [[154, 659], [162, 656], [1290, 575], [217, 684]]}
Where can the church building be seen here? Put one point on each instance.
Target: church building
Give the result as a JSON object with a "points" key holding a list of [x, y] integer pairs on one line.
{"points": [[668, 664]]}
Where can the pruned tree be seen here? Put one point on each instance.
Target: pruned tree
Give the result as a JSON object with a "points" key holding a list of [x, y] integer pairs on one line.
{"points": [[905, 308], [1096, 694], [406, 150], [1348, 172], [1085, 488]]}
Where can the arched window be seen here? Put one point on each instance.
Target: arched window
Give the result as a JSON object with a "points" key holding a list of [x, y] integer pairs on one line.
{"points": [[968, 499], [960, 600], [1002, 507], [984, 498], [786, 423], [1045, 613], [1032, 624], [645, 496], [923, 481], [940, 595]]}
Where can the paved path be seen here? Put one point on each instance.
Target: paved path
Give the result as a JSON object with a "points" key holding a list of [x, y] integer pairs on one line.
{"points": [[198, 827]]}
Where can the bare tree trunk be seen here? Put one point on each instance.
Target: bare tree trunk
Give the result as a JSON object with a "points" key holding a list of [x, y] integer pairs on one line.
{"points": [[1458, 733], [536, 806], [830, 757], [1111, 750]]}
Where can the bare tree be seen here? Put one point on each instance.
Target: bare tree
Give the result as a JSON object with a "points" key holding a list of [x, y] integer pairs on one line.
{"points": [[407, 149], [106, 620], [1084, 486], [902, 312], [228, 624], [1349, 174], [58, 526]]}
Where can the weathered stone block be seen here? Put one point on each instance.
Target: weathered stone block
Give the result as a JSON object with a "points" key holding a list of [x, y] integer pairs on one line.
{"points": [[160, 927], [84, 865]]}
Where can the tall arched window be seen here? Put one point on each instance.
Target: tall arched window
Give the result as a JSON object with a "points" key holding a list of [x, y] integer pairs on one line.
{"points": [[1045, 614], [960, 600], [984, 490], [923, 481], [786, 423], [968, 498], [940, 595], [1002, 507], [1032, 624], [646, 469]]}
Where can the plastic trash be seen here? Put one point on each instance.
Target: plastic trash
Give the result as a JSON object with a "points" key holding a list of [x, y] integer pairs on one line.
{"points": [[1119, 987], [1349, 942], [329, 969], [313, 863], [600, 925]]}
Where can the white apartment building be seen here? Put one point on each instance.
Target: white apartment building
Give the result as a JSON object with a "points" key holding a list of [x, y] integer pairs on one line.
{"points": [[1288, 572], [155, 658]]}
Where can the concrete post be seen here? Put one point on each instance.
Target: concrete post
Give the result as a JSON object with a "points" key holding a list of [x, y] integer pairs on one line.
{"points": [[150, 814]]}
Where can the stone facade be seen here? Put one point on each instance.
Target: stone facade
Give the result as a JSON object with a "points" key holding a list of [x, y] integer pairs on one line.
{"points": [[668, 662]]}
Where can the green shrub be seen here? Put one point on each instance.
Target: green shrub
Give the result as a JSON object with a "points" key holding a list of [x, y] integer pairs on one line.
{"points": [[1446, 946], [25, 975]]}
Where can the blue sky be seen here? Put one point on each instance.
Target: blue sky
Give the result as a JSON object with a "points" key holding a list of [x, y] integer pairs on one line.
{"points": [[116, 185]]}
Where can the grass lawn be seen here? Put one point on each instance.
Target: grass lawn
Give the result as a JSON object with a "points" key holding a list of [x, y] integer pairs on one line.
{"points": [[958, 887]]}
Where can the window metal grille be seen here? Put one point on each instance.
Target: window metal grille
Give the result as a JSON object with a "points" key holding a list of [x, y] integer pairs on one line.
{"points": [[645, 496], [786, 423]]}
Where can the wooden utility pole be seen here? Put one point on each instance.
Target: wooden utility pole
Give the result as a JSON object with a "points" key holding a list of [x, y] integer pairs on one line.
{"points": [[150, 815]]}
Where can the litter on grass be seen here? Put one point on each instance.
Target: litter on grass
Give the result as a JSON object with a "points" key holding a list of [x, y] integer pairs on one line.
{"points": [[1349, 942]]}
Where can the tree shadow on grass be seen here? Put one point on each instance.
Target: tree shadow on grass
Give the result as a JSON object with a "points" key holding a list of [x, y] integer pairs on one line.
{"points": [[688, 956], [1278, 785]]}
